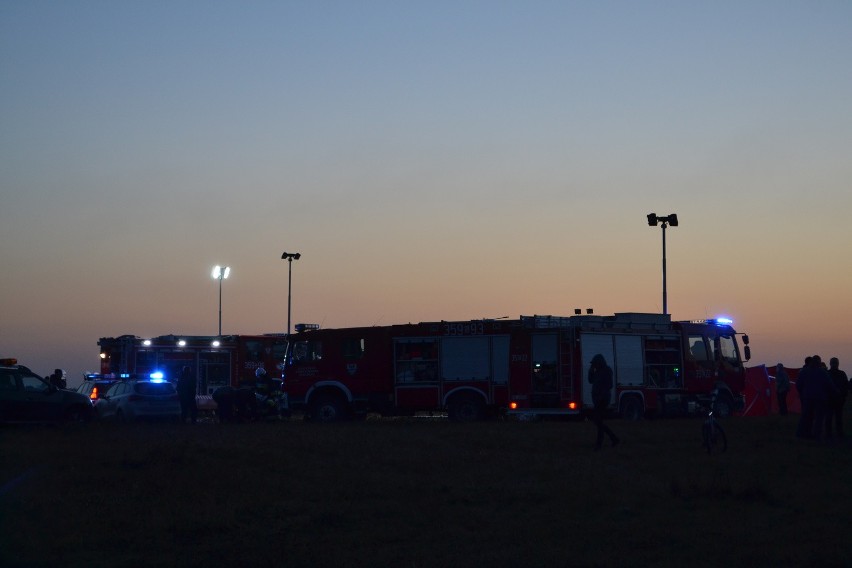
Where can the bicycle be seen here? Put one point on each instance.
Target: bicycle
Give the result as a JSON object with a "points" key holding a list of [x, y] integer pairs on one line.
{"points": [[712, 432]]}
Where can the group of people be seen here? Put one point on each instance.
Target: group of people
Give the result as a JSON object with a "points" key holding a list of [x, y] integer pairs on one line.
{"points": [[822, 391]]}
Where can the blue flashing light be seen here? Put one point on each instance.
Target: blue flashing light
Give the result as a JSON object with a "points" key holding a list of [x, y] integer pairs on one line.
{"points": [[723, 320], [157, 376]]}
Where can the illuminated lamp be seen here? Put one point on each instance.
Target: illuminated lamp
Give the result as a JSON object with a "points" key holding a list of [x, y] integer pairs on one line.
{"points": [[220, 274], [215, 343], [513, 405], [147, 343], [181, 343]]}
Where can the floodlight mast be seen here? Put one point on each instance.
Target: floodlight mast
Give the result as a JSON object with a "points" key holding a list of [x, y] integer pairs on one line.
{"points": [[653, 219], [289, 257], [220, 274]]}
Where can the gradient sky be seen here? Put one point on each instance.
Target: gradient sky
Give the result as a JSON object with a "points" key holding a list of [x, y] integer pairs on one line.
{"points": [[430, 160]]}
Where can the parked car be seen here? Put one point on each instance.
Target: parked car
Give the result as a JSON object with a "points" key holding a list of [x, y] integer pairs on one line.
{"points": [[139, 400], [27, 397], [94, 387]]}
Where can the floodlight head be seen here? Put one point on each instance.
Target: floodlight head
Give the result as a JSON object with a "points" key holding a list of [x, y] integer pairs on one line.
{"points": [[672, 219], [227, 272], [652, 219], [217, 271], [290, 256]]}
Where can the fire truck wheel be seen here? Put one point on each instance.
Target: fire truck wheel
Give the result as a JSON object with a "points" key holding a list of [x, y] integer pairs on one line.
{"points": [[632, 408], [327, 408], [465, 409]]}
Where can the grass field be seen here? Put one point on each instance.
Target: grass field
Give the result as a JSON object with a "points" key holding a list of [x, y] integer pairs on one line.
{"points": [[422, 493]]}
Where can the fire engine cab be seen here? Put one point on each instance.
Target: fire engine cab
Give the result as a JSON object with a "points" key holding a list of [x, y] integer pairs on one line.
{"points": [[532, 366]]}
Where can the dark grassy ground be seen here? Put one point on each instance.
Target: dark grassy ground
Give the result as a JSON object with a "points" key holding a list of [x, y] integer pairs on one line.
{"points": [[421, 493]]}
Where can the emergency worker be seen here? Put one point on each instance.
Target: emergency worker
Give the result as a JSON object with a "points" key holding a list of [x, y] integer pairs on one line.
{"points": [[265, 387], [600, 377]]}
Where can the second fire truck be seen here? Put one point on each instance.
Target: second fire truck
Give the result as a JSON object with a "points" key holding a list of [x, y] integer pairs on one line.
{"points": [[531, 366]]}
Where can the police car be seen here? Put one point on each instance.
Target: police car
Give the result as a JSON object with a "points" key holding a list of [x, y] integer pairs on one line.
{"points": [[27, 397]]}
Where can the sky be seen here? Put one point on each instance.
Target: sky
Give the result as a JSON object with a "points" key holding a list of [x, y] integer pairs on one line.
{"points": [[430, 160]]}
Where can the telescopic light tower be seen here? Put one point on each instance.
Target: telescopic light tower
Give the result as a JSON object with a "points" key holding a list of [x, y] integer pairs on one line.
{"points": [[653, 219], [220, 274], [289, 257]]}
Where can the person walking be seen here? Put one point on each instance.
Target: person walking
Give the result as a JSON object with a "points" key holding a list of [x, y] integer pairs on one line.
{"points": [[600, 377], [835, 405], [187, 387], [782, 387]]}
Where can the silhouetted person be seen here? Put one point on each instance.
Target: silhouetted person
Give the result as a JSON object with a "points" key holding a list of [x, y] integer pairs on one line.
{"points": [[835, 404], [817, 391], [187, 387], [782, 387], [806, 418], [57, 379], [600, 377]]}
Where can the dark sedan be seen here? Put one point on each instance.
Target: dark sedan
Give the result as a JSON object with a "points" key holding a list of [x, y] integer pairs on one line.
{"points": [[27, 397]]}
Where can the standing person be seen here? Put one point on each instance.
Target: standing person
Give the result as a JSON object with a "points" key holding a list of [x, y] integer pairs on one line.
{"points": [[782, 387], [835, 409], [600, 377], [187, 387], [817, 392], [806, 418]]}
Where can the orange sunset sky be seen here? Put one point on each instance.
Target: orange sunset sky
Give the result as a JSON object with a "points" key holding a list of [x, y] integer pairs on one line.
{"points": [[430, 161]]}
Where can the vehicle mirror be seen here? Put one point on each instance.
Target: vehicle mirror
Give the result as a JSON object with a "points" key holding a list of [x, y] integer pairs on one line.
{"points": [[747, 351]]}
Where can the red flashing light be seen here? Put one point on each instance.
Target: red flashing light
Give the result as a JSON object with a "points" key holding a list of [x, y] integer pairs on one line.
{"points": [[572, 405], [513, 405]]}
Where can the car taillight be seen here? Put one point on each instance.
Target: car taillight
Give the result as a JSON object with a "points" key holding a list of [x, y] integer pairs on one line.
{"points": [[94, 395]]}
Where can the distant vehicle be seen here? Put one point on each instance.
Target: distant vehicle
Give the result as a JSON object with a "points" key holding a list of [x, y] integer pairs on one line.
{"points": [[140, 400], [95, 386], [27, 397]]}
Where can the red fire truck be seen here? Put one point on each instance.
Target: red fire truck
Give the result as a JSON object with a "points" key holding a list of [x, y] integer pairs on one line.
{"points": [[217, 361], [534, 365]]}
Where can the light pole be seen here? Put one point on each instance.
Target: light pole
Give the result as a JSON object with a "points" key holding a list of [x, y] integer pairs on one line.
{"points": [[220, 274], [653, 219], [290, 257]]}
